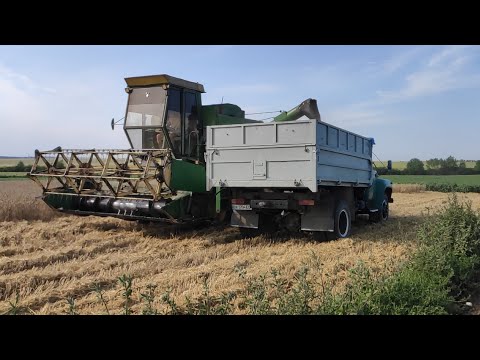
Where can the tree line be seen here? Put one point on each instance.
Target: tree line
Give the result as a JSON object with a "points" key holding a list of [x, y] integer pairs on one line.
{"points": [[448, 166], [436, 166], [21, 167]]}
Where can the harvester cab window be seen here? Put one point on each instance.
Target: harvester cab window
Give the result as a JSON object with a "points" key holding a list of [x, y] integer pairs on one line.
{"points": [[190, 134], [145, 107], [154, 139], [143, 122], [135, 136], [173, 122]]}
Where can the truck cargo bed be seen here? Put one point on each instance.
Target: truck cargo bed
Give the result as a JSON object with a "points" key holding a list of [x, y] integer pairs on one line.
{"points": [[294, 154]]}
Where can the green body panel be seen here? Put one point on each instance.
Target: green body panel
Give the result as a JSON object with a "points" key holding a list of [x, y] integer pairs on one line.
{"points": [[187, 176], [375, 193], [223, 114], [218, 199], [60, 202], [178, 207]]}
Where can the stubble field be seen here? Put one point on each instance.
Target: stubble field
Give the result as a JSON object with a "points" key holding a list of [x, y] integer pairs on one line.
{"points": [[46, 259]]}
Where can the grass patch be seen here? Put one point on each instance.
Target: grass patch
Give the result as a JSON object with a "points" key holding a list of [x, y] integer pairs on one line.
{"points": [[446, 183], [11, 161], [408, 188], [433, 281], [401, 165], [435, 179], [464, 188], [12, 176], [436, 279]]}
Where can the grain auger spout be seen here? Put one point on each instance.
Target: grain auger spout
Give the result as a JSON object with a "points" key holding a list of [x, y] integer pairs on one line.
{"points": [[307, 108]]}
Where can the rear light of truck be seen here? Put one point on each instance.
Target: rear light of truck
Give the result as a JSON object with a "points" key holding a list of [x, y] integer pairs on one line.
{"points": [[238, 201], [306, 202]]}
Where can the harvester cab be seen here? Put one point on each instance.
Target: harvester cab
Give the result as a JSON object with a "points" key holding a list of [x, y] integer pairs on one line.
{"points": [[163, 113]]}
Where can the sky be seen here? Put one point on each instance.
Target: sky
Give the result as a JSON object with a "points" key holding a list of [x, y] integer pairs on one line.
{"points": [[415, 101]]}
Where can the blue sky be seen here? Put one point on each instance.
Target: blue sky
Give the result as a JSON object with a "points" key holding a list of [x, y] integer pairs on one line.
{"points": [[416, 101]]}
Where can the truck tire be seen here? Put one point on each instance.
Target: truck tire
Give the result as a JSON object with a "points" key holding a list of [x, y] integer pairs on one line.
{"points": [[342, 220], [383, 213]]}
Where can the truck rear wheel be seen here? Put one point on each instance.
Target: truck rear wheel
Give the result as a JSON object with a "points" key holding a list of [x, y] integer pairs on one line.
{"points": [[343, 220], [383, 213]]}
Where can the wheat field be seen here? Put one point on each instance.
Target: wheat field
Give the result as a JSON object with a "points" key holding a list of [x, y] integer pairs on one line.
{"points": [[47, 258]]}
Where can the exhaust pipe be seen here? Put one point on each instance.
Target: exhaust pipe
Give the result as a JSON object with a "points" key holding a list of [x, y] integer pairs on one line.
{"points": [[308, 108]]}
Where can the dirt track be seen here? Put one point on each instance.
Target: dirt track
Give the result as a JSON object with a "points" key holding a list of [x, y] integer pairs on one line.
{"points": [[51, 260]]}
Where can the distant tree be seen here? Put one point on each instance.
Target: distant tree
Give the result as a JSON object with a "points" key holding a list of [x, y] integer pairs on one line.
{"points": [[20, 167], [449, 166], [415, 167], [433, 163], [450, 163], [441, 164], [60, 164], [462, 168], [477, 166]]}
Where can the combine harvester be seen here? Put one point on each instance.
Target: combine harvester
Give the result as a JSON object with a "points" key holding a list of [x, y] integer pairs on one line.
{"points": [[192, 163]]}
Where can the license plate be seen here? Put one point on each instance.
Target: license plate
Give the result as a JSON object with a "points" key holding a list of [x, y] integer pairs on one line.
{"points": [[241, 207]]}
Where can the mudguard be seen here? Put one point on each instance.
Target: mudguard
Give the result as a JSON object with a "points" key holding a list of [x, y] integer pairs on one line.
{"points": [[374, 195]]}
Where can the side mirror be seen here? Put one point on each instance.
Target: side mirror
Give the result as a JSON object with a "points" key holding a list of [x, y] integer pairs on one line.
{"points": [[389, 165], [113, 123]]}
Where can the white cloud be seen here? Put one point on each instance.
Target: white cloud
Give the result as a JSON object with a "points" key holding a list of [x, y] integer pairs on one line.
{"points": [[354, 117], [260, 88], [400, 60], [72, 112], [21, 80], [49, 90], [449, 52], [18, 107], [446, 70]]}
